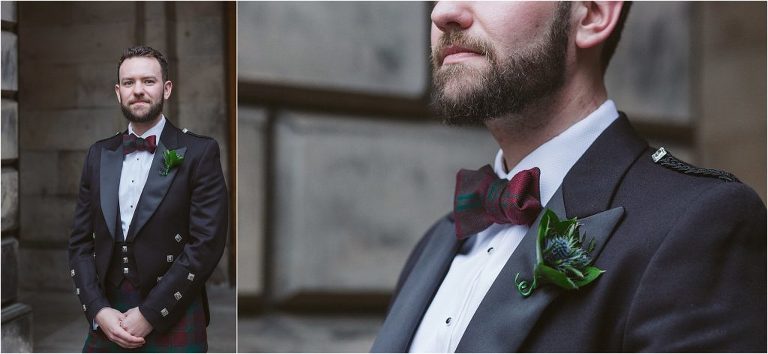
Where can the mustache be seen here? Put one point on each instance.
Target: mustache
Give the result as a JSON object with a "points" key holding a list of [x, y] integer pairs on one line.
{"points": [[460, 39]]}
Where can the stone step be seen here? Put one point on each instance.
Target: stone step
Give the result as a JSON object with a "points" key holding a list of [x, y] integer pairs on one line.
{"points": [[17, 328]]}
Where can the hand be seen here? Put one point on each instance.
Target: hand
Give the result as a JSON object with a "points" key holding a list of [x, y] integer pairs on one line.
{"points": [[135, 324], [109, 321]]}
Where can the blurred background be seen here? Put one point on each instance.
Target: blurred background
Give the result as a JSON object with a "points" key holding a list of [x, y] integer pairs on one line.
{"points": [[342, 168], [59, 67]]}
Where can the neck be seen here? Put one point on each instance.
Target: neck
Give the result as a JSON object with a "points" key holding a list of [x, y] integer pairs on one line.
{"points": [[521, 133], [139, 128]]}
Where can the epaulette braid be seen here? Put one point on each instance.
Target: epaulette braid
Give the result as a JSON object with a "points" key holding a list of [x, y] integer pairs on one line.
{"points": [[664, 158]]}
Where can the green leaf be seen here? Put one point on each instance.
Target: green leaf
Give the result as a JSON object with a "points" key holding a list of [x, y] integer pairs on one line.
{"points": [[544, 228], [590, 274], [575, 271], [555, 277]]}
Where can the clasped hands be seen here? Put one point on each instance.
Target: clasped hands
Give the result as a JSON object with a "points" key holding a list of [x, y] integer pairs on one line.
{"points": [[126, 329]]}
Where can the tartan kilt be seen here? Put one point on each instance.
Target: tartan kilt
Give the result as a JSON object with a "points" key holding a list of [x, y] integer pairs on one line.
{"points": [[187, 335]]}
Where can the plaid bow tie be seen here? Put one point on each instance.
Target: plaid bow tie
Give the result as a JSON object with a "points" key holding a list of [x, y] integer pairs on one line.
{"points": [[482, 198], [132, 143]]}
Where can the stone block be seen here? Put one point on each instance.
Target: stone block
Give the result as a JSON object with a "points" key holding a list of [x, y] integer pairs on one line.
{"points": [[10, 61], [10, 198], [354, 196], [47, 218], [44, 269], [17, 329], [10, 272], [54, 13], [55, 129], [251, 169], [47, 85], [76, 86], [76, 43], [156, 10], [39, 173], [70, 169], [296, 334], [375, 47], [200, 36], [10, 129], [731, 133], [156, 34], [8, 8], [193, 10], [201, 80], [96, 84], [650, 74]]}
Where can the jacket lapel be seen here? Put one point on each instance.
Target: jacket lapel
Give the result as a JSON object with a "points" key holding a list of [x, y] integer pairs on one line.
{"points": [[418, 290], [157, 185], [110, 167], [504, 318]]}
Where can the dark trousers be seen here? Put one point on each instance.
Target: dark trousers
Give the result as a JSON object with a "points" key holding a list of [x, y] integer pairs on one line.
{"points": [[187, 335]]}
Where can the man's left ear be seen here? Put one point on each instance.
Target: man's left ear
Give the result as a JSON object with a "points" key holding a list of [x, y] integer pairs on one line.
{"points": [[167, 88], [596, 21]]}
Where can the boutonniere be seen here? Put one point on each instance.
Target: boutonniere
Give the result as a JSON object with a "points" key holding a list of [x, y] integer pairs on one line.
{"points": [[171, 159], [561, 258]]}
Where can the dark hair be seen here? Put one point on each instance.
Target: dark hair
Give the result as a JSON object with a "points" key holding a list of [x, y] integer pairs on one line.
{"points": [[144, 51], [613, 40]]}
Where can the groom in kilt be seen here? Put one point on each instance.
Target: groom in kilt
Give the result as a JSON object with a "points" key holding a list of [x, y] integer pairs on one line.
{"points": [[150, 223]]}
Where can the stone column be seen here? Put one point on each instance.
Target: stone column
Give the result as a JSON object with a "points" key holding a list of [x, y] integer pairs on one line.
{"points": [[16, 317]]}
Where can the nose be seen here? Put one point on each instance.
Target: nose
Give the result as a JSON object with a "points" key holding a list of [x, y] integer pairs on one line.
{"points": [[451, 15], [138, 89]]}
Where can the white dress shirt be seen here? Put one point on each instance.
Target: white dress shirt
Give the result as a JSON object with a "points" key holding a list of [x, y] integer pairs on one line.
{"points": [[133, 177], [481, 258]]}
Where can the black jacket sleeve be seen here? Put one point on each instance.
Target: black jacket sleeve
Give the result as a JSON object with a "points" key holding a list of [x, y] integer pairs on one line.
{"points": [[82, 261], [207, 230], [704, 289]]}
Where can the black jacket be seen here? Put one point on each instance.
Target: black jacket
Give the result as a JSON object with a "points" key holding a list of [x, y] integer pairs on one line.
{"points": [[685, 261], [191, 202]]}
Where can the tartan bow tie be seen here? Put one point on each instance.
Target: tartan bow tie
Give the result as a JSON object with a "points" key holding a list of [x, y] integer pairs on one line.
{"points": [[132, 143], [482, 198]]}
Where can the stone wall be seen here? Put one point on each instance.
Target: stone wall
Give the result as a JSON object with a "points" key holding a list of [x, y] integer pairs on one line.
{"points": [[16, 316]]}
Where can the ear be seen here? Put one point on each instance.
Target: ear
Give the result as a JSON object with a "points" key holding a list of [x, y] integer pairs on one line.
{"points": [[117, 93], [167, 88], [595, 22]]}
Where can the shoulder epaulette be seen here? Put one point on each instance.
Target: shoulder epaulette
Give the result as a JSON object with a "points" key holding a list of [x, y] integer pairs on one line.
{"points": [[663, 158], [188, 132]]}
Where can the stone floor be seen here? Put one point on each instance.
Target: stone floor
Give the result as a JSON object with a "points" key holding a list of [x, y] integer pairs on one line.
{"points": [[307, 333], [59, 325]]}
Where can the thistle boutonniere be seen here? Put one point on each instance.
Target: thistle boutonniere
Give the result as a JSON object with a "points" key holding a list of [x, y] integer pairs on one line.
{"points": [[561, 258], [171, 159]]}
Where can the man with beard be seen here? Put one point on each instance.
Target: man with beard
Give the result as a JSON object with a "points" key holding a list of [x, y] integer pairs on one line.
{"points": [[150, 223], [664, 256]]}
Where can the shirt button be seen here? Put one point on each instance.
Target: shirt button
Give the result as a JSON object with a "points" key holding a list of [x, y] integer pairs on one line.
{"points": [[448, 321], [490, 250]]}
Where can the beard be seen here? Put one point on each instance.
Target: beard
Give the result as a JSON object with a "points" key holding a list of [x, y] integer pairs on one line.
{"points": [[469, 96], [152, 113]]}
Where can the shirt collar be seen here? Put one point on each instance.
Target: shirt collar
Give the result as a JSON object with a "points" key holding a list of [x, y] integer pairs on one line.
{"points": [[156, 130], [556, 157]]}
